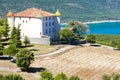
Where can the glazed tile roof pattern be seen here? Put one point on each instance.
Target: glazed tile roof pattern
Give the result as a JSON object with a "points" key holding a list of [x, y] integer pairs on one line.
{"points": [[33, 12]]}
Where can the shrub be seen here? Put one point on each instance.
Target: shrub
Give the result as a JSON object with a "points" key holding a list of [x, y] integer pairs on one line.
{"points": [[66, 34], [61, 76], [118, 44], [106, 77], [115, 76], [113, 43], [64, 42], [26, 41], [11, 50], [46, 75], [91, 39], [24, 58], [74, 78]]}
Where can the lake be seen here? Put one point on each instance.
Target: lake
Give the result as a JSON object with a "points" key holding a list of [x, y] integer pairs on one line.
{"points": [[102, 28]]}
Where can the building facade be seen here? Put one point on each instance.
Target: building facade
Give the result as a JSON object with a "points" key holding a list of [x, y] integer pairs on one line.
{"points": [[36, 23]]}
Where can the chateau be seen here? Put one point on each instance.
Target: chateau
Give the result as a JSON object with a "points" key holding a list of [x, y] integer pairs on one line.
{"points": [[36, 23]]}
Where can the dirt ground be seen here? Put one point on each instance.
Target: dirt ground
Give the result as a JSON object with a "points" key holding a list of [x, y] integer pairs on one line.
{"points": [[89, 63], [43, 49], [6, 67]]}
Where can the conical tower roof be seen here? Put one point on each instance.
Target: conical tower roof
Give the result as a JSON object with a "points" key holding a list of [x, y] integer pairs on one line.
{"points": [[10, 14], [58, 13]]}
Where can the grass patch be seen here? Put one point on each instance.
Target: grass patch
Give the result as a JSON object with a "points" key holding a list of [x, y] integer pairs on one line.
{"points": [[44, 49], [106, 39]]}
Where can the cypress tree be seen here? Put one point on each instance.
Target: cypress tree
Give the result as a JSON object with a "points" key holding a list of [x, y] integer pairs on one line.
{"points": [[15, 37], [6, 28]]}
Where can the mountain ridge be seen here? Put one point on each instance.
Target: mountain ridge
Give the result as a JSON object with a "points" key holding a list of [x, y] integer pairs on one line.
{"points": [[82, 10]]}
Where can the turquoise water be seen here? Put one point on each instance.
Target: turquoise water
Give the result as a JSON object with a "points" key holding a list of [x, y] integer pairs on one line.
{"points": [[102, 28]]}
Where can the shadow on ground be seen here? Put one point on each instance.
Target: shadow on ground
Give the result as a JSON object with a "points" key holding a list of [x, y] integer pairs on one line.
{"points": [[27, 46], [34, 70], [5, 58]]}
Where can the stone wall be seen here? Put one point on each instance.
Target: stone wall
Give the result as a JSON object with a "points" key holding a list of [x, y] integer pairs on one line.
{"points": [[39, 40]]}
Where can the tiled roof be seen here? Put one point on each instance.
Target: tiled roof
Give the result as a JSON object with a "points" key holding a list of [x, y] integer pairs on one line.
{"points": [[39, 15], [33, 12]]}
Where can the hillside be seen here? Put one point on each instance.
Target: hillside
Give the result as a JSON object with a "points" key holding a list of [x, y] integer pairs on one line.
{"points": [[83, 10]]}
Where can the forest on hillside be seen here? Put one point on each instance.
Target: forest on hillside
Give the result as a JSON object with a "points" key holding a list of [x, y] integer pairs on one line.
{"points": [[82, 10]]}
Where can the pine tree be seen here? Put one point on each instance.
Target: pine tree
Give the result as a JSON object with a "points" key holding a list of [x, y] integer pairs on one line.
{"points": [[26, 41], [6, 28], [24, 58], [12, 36], [18, 41], [11, 50], [15, 37]]}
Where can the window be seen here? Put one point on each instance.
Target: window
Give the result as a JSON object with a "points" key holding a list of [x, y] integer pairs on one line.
{"points": [[26, 21], [46, 31], [53, 29], [46, 24], [20, 18], [49, 23], [23, 21], [46, 18], [49, 18], [40, 33], [53, 23], [43, 24], [49, 30], [53, 17]]}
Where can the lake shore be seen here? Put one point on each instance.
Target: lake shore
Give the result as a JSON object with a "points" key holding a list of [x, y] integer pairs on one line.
{"points": [[92, 22], [103, 21]]}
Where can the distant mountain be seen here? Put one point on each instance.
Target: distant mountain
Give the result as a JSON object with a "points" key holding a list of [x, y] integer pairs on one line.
{"points": [[83, 10]]}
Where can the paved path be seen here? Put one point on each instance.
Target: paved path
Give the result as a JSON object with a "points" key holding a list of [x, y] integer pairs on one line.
{"points": [[55, 52]]}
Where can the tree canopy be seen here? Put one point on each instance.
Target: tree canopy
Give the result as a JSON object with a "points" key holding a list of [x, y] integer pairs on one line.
{"points": [[78, 28], [66, 34], [61, 76], [11, 50], [24, 58], [4, 28], [15, 37], [91, 38], [46, 75], [114, 76]]}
